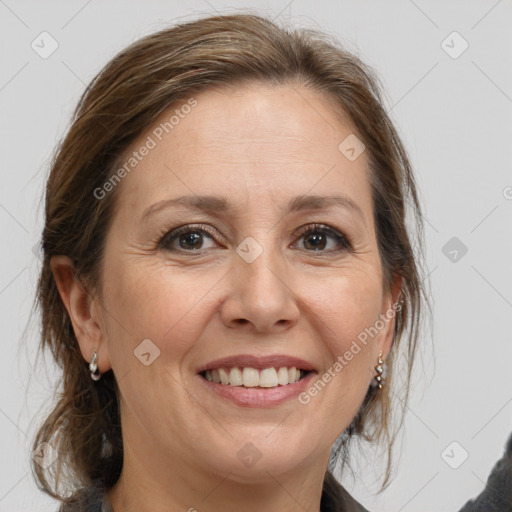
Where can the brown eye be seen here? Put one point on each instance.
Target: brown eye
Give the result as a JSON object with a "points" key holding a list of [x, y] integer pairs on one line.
{"points": [[323, 239], [186, 239], [191, 240], [315, 241]]}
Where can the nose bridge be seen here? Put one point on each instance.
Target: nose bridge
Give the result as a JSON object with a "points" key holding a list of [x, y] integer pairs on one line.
{"points": [[259, 292], [261, 266]]}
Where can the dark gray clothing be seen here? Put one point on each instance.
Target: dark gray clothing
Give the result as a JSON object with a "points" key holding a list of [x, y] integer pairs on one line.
{"points": [[334, 499], [497, 495]]}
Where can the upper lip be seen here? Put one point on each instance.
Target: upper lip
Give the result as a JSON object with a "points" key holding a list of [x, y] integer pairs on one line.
{"points": [[257, 362]]}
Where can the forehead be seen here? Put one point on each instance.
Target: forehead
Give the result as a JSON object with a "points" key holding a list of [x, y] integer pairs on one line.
{"points": [[261, 142]]}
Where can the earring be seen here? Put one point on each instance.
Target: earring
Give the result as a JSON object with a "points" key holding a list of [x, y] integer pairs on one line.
{"points": [[379, 370], [93, 367]]}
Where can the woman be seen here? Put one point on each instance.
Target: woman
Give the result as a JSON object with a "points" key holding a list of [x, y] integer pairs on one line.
{"points": [[228, 278]]}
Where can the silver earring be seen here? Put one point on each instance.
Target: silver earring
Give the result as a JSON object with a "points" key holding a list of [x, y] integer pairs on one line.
{"points": [[93, 367], [379, 370]]}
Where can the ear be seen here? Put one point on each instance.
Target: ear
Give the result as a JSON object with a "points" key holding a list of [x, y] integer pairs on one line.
{"points": [[84, 312], [390, 308]]}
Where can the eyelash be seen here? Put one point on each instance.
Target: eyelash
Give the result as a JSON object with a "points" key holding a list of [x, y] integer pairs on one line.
{"points": [[169, 236]]}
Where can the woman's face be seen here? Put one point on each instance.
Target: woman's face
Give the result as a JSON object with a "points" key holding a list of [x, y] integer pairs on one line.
{"points": [[265, 266]]}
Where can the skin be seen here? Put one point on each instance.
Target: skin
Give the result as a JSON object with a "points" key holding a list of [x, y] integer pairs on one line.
{"points": [[257, 146]]}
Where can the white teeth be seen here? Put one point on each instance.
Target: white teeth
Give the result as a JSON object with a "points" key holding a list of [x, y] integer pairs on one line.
{"points": [[268, 378], [282, 376], [251, 377], [235, 377], [224, 377]]}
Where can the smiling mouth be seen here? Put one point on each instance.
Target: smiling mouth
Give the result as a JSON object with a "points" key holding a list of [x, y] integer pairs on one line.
{"points": [[248, 377]]}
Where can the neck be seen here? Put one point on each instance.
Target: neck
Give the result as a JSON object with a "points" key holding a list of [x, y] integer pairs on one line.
{"points": [[149, 484]]}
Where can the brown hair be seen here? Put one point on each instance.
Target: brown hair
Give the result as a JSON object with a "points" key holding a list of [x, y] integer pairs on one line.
{"points": [[122, 101]]}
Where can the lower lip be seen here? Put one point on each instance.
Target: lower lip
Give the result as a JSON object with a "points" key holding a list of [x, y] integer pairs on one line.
{"points": [[259, 397]]}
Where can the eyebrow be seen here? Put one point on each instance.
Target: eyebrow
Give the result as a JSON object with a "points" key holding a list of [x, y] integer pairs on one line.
{"points": [[213, 204]]}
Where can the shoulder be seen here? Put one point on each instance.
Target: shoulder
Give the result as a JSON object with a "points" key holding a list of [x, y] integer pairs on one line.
{"points": [[335, 497], [92, 498], [497, 495]]}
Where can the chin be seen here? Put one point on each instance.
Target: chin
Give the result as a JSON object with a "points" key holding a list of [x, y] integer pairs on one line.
{"points": [[256, 462], [261, 471]]}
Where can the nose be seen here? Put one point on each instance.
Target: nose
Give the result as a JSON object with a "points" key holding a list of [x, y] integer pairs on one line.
{"points": [[260, 298]]}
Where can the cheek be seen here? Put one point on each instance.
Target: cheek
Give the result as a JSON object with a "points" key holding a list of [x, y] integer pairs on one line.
{"points": [[163, 305], [345, 311], [346, 304]]}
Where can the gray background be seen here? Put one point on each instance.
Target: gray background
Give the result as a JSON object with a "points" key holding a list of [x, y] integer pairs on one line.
{"points": [[455, 117]]}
